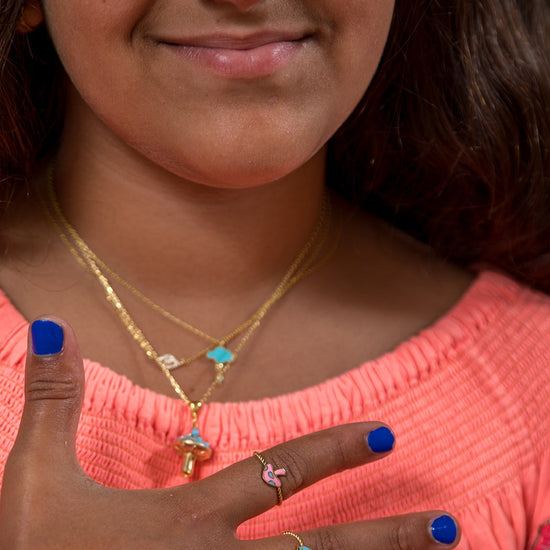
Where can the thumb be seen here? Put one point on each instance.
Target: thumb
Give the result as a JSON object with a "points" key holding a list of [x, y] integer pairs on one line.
{"points": [[54, 390]]}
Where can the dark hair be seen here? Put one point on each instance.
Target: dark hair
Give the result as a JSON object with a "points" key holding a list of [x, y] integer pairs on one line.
{"points": [[31, 97], [451, 142]]}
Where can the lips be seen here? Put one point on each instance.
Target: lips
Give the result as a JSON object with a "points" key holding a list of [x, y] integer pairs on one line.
{"points": [[246, 56]]}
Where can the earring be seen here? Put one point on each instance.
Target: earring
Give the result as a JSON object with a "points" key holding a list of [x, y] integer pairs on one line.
{"points": [[31, 17], [23, 27]]}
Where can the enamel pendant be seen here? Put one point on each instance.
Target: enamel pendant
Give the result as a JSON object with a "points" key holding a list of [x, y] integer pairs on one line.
{"points": [[193, 448], [221, 357], [169, 361]]}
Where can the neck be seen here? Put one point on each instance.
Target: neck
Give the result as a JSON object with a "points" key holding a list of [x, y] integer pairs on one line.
{"points": [[165, 233]]}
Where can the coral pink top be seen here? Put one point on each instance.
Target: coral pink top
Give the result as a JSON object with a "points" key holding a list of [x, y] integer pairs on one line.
{"points": [[468, 399]]}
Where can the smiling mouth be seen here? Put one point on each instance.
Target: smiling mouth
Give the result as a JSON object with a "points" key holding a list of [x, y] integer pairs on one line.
{"points": [[237, 42], [240, 57]]}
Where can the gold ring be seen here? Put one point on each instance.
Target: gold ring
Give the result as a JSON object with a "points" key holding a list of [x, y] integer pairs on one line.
{"points": [[300, 542], [270, 475]]}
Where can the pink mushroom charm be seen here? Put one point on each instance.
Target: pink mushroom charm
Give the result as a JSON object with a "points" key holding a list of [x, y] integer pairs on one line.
{"points": [[271, 477]]}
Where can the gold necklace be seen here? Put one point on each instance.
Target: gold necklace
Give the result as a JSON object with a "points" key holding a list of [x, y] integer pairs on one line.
{"points": [[314, 245], [191, 446]]}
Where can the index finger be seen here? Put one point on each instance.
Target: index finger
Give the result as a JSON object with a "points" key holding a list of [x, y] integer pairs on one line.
{"points": [[248, 488]]}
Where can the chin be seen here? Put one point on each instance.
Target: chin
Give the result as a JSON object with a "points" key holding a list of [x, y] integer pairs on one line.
{"points": [[242, 171], [242, 177]]}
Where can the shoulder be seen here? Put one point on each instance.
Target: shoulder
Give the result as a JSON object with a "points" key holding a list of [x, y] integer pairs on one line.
{"points": [[505, 354], [509, 313], [503, 323]]}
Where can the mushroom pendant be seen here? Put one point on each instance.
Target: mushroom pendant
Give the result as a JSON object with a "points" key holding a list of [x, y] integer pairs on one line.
{"points": [[193, 449]]}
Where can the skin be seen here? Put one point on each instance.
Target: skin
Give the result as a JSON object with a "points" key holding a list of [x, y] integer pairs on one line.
{"points": [[156, 148]]}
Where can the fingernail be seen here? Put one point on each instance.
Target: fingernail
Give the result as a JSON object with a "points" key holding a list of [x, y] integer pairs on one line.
{"points": [[47, 337], [443, 530], [381, 440]]}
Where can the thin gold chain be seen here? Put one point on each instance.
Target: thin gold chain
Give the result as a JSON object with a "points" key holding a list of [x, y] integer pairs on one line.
{"points": [[314, 245], [302, 266], [316, 237]]}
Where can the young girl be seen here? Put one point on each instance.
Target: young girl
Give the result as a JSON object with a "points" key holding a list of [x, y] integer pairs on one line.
{"points": [[279, 231]]}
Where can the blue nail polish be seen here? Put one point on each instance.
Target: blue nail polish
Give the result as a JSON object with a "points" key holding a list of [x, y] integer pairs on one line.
{"points": [[47, 337], [444, 530], [381, 440]]}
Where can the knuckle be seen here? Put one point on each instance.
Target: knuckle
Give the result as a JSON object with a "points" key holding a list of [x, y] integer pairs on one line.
{"points": [[296, 467], [47, 389], [401, 537], [329, 539]]}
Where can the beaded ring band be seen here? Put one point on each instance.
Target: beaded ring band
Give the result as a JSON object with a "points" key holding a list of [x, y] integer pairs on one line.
{"points": [[271, 476], [300, 542]]}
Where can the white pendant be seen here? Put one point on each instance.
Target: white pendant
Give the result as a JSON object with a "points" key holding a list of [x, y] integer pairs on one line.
{"points": [[169, 361]]}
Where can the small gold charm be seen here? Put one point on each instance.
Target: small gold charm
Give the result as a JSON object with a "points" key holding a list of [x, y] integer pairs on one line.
{"points": [[193, 449]]}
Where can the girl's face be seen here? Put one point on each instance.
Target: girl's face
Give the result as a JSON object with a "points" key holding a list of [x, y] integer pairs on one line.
{"points": [[230, 93]]}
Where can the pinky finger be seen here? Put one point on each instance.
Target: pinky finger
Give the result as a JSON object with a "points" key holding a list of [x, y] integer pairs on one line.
{"points": [[426, 531]]}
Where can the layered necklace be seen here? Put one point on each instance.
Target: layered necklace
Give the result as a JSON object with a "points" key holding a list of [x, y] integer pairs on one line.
{"points": [[192, 447]]}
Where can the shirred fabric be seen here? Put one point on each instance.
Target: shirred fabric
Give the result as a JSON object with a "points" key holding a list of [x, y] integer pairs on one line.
{"points": [[468, 399]]}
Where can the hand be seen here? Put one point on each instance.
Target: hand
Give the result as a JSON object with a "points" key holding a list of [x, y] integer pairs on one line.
{"points": [[49, 503]]}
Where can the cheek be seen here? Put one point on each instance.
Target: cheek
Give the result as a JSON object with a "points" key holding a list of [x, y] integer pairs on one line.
{"points": [[361, 34], [85, 32]]}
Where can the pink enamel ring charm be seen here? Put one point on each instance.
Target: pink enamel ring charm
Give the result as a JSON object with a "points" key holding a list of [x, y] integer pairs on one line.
{"points": [[270, 476]]}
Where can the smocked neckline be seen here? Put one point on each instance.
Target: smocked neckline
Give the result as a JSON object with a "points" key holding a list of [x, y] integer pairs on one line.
{"points": [[341, 399]]}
